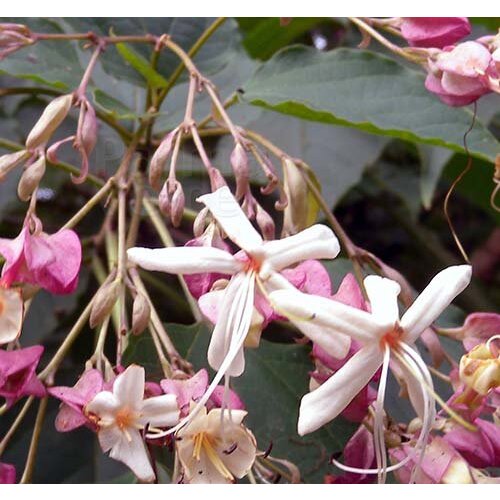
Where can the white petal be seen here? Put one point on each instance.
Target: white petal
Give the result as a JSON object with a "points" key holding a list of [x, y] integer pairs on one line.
{"points": [[128, 387], [334, 343], [184, 260], [326, 402], [228, 213], [436, 297], [233, 312], [240, 460], [383, 295], [104, 405], [109, 437], [133, 454], [160, 411], [323, 312], [315, 242]]}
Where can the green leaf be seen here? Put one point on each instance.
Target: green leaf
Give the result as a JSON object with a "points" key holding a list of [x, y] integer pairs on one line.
{"points": [[264, 36], [434, 159], [113, 106], [141, 65], [49, 62], [364, 90]]}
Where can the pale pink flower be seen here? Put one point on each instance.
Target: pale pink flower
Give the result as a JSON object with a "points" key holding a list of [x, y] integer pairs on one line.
{"points": [[384, 337], [477, 329], [192, 389], [51, 261], [215, 447], [459, 75], [122, 415], [18, 374], [435, 32], [7, 473], [441, 464], [480, 448], [71, 414]]}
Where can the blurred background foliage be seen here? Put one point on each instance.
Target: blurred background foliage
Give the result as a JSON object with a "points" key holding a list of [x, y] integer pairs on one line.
{"points": [[384, 150]]}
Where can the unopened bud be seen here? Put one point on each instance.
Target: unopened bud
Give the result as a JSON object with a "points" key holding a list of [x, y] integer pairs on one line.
{"points": [[216, 179], [177, 205], [141, 312], [296, 212], [164, 200], [31, 179], [104, 302], [51, 118], [480, 368], [10, 161], [265, 223], [239, 162], [157, 164], [200, 222], [88, 136]]}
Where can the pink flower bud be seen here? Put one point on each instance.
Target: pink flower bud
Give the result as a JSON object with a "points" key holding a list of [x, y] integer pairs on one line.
{"points": [[88, 136], [177, 205], [239, 162], [265, 223], [141, 312], [51, 118], [216, 179], [31, 179], [10, 161], [164, 200], [296, 212], [104, 302], [459, 76], [157, 164], [435, 32]]}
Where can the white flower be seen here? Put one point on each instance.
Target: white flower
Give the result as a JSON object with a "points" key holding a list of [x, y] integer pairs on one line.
{"points": [[123, 413], [256, 268], [384, 337], [216, 447]]}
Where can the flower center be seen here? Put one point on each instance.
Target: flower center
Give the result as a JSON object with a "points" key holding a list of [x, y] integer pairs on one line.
{"points": [[392, 337], [205, 443], [125, 419]]}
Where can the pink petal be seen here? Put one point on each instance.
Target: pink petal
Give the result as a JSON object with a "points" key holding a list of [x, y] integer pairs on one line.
{"points": [[433, 84], [349, 293], [479, 327], [191, 389], [434, 31], [233, 400], [7, 474]]}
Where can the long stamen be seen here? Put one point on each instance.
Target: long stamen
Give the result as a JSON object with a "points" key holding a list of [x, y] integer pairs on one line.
{"points": [[453, 414], [411, 361], [241, 333], [379, 415]]}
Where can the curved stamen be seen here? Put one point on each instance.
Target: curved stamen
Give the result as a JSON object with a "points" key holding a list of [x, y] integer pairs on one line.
{"points": [[245, 311], [379, 418]]}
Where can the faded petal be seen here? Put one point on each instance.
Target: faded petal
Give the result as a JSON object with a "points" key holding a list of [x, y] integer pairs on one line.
{"points": [[11, 314], [435, 298], [326, 402], [228, 213], [184, 260]]}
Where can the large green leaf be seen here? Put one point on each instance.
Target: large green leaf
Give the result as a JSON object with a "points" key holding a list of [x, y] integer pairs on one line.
{"points": [[276, 377], [365, 90], [52, 63]]}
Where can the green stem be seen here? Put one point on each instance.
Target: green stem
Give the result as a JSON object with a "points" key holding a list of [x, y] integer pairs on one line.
{"points": [[167, 240], [35, 440]]}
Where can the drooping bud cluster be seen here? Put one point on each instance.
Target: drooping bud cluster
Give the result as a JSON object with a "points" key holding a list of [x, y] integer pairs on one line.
{"points": [[13, 37]]}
